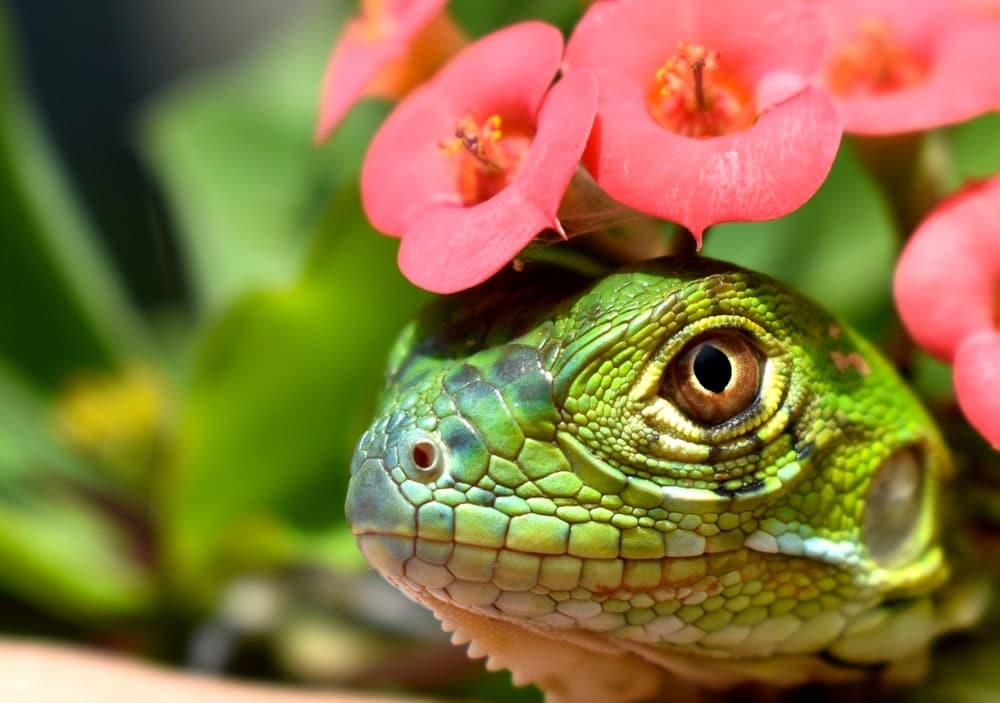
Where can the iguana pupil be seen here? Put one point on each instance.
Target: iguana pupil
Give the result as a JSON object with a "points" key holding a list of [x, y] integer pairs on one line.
{"points": [[712, 368], [716, 378]]}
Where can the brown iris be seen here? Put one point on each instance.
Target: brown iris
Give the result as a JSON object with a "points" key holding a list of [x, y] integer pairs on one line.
{"points": [[715, 378]]}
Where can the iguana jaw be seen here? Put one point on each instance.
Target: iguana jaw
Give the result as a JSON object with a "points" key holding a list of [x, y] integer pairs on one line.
{"points": [[890, 639]]}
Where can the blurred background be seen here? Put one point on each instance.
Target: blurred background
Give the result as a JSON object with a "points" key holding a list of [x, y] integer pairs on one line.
{"points": [[193, 316], [91, 67], [161, 198]]}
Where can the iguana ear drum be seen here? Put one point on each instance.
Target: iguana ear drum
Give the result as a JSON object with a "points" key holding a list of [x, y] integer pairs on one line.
{"points": [[892, 515], [715, 378]]}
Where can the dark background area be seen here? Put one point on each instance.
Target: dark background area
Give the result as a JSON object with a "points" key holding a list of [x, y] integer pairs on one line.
{"points": [[90, 67]]}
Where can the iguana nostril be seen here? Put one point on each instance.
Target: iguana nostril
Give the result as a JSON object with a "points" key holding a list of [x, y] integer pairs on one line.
{"points": [[424, 454], [421, 457]]}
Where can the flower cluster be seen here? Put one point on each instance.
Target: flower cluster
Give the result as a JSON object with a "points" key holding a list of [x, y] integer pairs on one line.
{"points": [[688, 111]]}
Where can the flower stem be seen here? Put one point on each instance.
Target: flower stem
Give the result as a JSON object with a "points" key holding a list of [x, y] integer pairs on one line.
{"points": [[913, 171], [683, 243]]}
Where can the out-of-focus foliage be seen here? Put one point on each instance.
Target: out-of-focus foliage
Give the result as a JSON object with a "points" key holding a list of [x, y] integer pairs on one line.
{"points": [[60, 307], [479, 17], [58, 549], [976, 147], [61, 313], [268, 388], [838, 248], [235, 156], [297, 294], [271, 417]]}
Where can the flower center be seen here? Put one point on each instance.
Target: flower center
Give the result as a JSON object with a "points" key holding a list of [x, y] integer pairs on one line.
{"points": [[693, 97], [874, 63], [488, 156]]}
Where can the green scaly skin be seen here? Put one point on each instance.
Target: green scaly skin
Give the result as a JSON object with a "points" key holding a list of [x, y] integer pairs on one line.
{"points": [[532, 480]]}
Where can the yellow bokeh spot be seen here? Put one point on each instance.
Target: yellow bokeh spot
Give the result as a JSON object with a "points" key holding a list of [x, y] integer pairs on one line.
{"points": [[119, 419]]}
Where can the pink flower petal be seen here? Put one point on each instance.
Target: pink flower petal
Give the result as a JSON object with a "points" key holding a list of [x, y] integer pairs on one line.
{"points": [[762, 172], [360, 53], [977, 377], [404, 171], [509, 70], [948, 276], [746, 176], [450, 248]]}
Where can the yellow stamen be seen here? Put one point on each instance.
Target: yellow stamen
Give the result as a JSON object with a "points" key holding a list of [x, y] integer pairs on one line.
{"points": [[487, 154], [475, 139], [691, 96]]}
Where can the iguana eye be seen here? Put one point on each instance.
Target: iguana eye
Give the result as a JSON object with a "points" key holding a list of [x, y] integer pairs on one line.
{"points": [[715, 378]]}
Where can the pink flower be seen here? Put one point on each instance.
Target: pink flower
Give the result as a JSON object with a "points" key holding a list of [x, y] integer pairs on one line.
{"points": [[947, 289], [705, 112], [977, 375], [470, 167], [390, 47], [899, 66]]}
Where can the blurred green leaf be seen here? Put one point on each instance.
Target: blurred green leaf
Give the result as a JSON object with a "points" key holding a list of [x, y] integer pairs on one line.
{"points": [[286, 368], [839, 248], [61, 308], [976, 147], [234, 153], [283, 386], [59, 549], [62, 554], [479, 17]]}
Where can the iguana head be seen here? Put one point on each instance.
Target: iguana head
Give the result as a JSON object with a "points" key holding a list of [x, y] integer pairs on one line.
{"points": [[684, 455]]}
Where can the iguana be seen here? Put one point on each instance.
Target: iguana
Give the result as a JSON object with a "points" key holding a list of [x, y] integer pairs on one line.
{"points": [[680, 475]]}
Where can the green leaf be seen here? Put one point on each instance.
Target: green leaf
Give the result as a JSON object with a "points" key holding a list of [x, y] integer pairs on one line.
{"points": [[976, 147], [61, 308], [283, 386], [63, 555], [479, 17], [234, 153], [839, 248], [59, 549]]}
